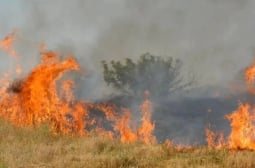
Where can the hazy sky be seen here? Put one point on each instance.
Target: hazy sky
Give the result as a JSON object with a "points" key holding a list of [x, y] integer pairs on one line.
{"points": [[214, 38]]}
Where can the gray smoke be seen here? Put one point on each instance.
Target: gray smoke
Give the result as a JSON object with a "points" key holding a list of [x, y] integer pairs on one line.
{"points": [[214, 38]]}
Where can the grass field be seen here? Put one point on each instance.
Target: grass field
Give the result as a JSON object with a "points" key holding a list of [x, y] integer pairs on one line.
{"points": [[37, 147]]}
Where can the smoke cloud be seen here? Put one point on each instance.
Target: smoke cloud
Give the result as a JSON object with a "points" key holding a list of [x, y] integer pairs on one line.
{"points": [[214, 38]]}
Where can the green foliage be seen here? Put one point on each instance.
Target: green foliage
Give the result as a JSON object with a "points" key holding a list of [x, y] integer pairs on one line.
{"points": [[154, 73]]}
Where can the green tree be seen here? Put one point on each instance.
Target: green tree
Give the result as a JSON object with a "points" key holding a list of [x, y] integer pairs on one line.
{"points": [[161, 76]]}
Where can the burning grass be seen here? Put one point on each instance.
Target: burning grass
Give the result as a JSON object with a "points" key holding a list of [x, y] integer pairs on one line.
{"points": [[37, 99], [43, 125], [37, 147]]}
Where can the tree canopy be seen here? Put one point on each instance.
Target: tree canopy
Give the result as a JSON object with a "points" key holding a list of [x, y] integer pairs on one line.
{"points": [[161, 76]]}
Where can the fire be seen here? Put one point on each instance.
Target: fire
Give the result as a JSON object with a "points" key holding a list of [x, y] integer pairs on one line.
{"points": [[144, 132], [242, 122], [250, 77], [243, 129], [44, 96], [214, 139], [147, 126], [7, 43], [37, 98], [127, 135]]}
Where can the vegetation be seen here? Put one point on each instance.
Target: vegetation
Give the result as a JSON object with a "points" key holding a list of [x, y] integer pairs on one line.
{"points": [[37, 147], [154, 73]]}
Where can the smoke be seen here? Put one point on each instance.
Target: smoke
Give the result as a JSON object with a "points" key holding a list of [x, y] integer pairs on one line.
{"points": [[214, 38]]}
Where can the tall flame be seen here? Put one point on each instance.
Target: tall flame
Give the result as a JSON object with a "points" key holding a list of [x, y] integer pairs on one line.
{"points": [[147, 126], [37, 99], [127, 135], [242, 122], [242, 134], [243, 129]]}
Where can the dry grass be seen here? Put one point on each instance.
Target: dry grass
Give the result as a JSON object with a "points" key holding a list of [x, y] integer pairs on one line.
{"points": [[36, 147]]}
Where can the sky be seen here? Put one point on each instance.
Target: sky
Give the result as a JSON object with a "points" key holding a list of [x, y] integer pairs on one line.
{"points": [[214, 38]]}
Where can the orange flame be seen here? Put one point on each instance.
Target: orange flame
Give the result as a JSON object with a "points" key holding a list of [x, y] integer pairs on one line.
{"points": [[6, 44], [250, 77], [214, 139], [242, 121], [127, 135], [243, 129], [147, 126], [36, 99]]}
